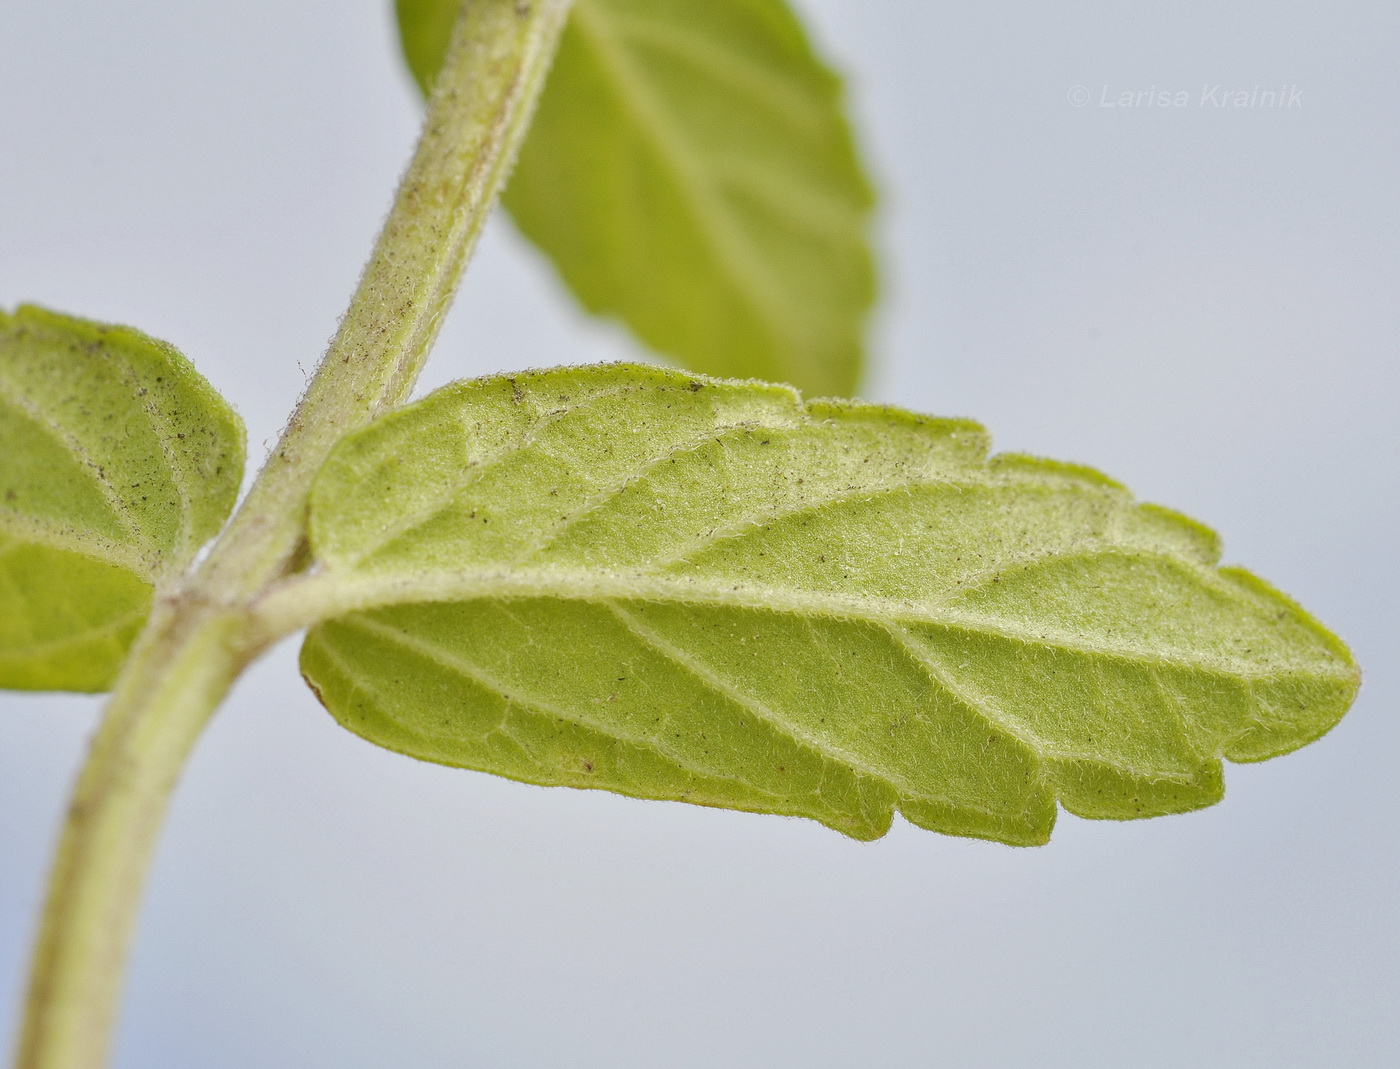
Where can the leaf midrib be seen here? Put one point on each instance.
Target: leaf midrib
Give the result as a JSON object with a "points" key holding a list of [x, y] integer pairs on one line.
{"points": [[332, 594], [824, 750], [739, 73], [1037, 748], [753, 280]]}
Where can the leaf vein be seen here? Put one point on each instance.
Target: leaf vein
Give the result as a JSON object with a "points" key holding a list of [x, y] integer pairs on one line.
{"points": [[455, 662], [823, 749], [75, 449], [755, 282]]}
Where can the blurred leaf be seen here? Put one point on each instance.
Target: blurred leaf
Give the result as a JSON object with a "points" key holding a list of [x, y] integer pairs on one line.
{"points": [[707, 591], [117, 462], [690, 171]]}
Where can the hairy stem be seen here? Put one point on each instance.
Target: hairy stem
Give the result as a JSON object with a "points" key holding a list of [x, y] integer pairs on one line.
{"points": [[477, 117], [177, 673], [199, 636]]}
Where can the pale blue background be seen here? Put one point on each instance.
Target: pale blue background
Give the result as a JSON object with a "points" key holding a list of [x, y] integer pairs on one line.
{"points": [[1200, 302]]}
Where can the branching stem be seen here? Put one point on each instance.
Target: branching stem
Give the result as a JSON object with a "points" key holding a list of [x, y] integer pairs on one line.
{"points": [[477, 117], [199, 636]]}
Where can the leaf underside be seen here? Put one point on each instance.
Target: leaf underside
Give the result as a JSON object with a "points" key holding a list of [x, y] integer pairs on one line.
{"points": [[117, 462], [682, 588], [690, 171]]}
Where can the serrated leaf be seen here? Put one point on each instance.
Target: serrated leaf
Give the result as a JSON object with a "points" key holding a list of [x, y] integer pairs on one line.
{"points": [[117, 462], [684, 588], [690, 171]]}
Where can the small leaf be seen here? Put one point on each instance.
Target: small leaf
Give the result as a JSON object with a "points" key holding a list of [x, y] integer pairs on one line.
{"points": [[117, 462], [690, 171], [708, 591]]}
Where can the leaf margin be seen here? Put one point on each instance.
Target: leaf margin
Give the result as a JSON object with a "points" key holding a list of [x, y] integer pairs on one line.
{"points": [[1196, 539], [182, 413]]}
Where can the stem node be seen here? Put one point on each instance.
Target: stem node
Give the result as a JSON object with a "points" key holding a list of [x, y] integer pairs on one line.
{"points": [[201, 634]]}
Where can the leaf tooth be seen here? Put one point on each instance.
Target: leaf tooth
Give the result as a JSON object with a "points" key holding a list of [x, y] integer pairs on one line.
{"points": [[956, 441], [1101, 790], [1170, 530], [1052, 471]]}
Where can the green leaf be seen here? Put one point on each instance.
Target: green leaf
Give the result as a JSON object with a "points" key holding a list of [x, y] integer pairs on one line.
{"points": [[690, 171], [117, 462], [684, 588]]}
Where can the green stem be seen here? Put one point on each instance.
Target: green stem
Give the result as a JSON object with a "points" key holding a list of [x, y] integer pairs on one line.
{"points": [[477, 117], [176, 675], [199, 636]]}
